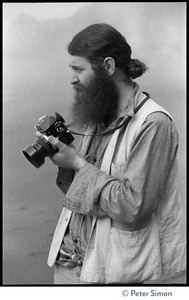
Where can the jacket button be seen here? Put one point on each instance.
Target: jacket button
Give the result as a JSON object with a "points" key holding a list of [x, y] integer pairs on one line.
{"points": [[59, 182], [66, 219]]}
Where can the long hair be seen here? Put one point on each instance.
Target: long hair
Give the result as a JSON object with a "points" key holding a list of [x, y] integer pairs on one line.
{"points": [[98, 41]]}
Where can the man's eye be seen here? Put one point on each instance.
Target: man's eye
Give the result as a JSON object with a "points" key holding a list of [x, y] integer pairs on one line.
{"points": [[79, 70]]}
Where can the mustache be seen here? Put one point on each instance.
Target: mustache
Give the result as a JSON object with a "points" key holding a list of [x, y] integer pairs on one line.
{"points": [[79, 87]]}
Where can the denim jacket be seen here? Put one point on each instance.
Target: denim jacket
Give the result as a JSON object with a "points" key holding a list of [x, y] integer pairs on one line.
{"points": [[125, 248]]}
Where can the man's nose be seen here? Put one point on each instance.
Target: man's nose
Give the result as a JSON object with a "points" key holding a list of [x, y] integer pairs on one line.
{"points": [[74, 79]]}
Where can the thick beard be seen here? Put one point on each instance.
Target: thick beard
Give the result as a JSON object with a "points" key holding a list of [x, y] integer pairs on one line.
{"points": [[97, 102]]}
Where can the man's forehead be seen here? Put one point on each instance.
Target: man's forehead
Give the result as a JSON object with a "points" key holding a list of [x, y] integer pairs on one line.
{"points": [[78, 60]]}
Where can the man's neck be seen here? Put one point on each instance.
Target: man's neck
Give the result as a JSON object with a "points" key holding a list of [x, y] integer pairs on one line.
{"points": [[126, 91]]}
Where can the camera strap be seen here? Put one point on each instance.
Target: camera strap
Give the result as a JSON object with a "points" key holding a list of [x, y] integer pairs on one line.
{"points": [[124, 123]]}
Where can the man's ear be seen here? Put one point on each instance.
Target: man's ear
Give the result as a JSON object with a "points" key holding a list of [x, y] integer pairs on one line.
{"points": [[109, 64]]}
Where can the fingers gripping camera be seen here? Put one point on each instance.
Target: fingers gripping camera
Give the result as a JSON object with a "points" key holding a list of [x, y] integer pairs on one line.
{"points": [[49, 125]]}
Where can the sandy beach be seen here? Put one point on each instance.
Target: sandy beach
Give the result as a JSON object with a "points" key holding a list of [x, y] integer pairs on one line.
{"points": [[30, 216]]}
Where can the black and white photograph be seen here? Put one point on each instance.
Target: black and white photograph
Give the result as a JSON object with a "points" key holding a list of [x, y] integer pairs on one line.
{"points": [[94, 145]]}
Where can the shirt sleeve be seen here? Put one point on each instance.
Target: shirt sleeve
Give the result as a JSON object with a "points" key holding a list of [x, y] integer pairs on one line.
{"points": [[134, 195]]}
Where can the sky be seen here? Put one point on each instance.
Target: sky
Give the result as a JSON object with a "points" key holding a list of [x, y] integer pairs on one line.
{"points": [[42, 10]]}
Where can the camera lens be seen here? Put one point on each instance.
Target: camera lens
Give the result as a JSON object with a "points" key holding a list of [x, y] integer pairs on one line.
{"points": [[37, 152], [35, 155]]}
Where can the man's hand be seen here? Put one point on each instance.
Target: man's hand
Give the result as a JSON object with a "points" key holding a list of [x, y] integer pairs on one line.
{"points": [[67, 156]]}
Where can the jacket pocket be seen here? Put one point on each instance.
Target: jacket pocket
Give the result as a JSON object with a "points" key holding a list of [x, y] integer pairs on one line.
{"points": [[133, 256]]}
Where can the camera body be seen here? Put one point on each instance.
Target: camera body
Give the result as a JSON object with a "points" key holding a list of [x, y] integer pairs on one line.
{"points": [[49, 125]]}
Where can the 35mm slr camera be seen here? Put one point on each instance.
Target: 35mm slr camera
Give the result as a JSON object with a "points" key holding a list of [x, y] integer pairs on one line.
{"points": [[49, 125]]}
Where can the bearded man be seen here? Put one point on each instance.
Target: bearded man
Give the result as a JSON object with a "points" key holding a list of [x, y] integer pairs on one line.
{"points": [[122, 220]]}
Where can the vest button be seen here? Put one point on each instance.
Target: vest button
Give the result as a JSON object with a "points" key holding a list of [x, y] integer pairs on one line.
{"points": [[66, 219], [59, 182]]}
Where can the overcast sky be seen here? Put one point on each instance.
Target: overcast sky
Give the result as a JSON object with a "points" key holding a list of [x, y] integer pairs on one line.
{"points": [[42, 10]]}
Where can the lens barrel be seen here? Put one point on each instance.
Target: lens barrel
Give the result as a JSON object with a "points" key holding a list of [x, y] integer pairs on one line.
{"points": [[37, 152]]}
